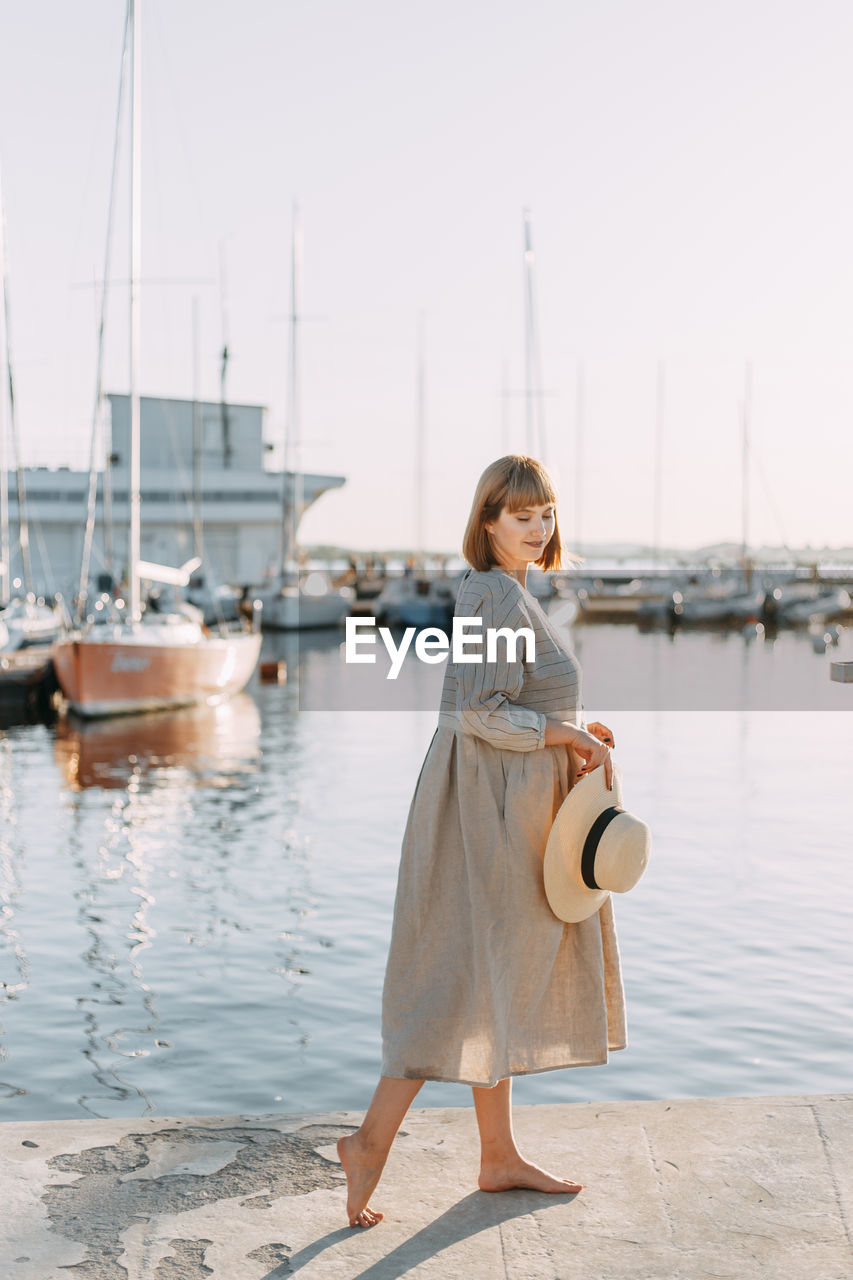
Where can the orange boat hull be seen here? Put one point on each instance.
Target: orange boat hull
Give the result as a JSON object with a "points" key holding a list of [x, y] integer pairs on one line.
{"points": [[104, 678]]}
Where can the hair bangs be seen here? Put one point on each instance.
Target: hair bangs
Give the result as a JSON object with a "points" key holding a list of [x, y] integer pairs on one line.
{"points": [[528, 486]]}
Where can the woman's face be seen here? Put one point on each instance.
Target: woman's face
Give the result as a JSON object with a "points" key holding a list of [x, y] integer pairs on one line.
{"points": [[520, 537]]}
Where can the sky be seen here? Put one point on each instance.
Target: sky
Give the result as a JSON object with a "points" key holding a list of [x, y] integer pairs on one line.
{"points": [[691, 201]]}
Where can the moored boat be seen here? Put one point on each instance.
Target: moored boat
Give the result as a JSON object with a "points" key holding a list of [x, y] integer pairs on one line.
{"points": [[623, 602], [27, 685], [301, 608], [819, 605], [27, 622], [152, 664], [146, 661], [417, 600]]}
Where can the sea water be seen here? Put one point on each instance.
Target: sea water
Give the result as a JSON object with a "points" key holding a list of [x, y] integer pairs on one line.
{"points": [[195, 907]]}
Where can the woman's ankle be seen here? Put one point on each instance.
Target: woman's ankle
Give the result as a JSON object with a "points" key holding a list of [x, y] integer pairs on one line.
{"points": [[495, 1154], [369, 1148]]}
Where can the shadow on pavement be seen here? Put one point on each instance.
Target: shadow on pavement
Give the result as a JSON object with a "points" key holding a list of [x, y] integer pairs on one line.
{"points": [[475, 1213]]}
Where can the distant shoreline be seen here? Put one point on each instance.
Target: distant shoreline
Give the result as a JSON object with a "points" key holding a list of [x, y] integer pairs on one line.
{"points": [[639, 556]]}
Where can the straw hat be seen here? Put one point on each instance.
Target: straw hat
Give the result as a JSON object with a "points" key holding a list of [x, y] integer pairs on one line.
{"points": [[594, 848]]}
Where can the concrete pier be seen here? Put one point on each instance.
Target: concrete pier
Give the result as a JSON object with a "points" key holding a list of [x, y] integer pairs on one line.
{"points": [[683, 1190]]}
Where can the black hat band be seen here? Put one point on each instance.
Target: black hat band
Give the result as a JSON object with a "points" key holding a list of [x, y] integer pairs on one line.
{"points": [[592, 842]]}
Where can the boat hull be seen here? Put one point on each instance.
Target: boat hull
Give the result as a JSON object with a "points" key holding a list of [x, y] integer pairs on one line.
{"points": [[118, 677]]}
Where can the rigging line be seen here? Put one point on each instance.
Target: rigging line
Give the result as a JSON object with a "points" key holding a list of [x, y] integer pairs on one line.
{"points": [[159, 280], [184, 477], [23, 525], [771, 501], [48, 575], [187, 488], [97, 411], [85, 216], [186, 502]]}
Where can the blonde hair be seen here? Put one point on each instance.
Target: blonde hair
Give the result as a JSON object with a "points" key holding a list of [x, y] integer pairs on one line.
{"points": [[509, 484]]}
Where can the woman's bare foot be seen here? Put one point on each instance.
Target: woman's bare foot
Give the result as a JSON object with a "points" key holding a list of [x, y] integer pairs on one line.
{"points": [[518, 1172], [363, 1172]]}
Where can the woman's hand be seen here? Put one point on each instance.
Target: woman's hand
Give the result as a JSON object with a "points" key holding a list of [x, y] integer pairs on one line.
{"points": [[601, 732], [591, 747]]}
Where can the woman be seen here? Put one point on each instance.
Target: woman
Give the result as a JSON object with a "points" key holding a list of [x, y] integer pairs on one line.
{"points": [[483, 981]]}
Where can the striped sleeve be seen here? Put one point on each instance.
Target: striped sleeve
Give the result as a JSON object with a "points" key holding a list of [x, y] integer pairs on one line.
{"points": [[486, 691]]}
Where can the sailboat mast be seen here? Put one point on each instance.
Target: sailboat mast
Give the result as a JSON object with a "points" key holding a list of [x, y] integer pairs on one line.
{"points": [[135, 607], [295, 389], [580, 410], [660, 410], [98, 433], [23, 521], [227, 450], [292, 474], [533, 390], [420, 440], [746, 415], [4, 462], [528, 334], [198, 535]]}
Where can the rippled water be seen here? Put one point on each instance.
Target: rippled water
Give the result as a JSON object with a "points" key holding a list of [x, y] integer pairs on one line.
{"points": [[195, 908]]}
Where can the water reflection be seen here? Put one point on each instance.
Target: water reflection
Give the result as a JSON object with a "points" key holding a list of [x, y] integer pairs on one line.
{"points": [[204, 746], [294, 763], [15, 971], [686, 671], [155, 767], [114, 900]]}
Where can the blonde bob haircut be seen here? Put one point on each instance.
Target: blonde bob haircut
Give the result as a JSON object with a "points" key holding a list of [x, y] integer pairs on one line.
{"points": [[510, 484]]}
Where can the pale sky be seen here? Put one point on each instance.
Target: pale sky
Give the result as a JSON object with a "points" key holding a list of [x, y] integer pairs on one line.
{"points": [[687, 168]]}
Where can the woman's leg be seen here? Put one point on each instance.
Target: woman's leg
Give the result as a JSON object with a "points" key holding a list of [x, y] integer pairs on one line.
{"points": [[363, 1153], [502, 1166]]}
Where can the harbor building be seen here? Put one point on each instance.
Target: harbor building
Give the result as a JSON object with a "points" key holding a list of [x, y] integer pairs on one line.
{"points": [[202, 456]]}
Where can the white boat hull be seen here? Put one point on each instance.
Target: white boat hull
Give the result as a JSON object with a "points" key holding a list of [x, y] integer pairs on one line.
{"points": [[292, 610]]}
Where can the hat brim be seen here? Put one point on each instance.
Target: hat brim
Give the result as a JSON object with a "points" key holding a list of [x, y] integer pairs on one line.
{"points": [[568, 897]]}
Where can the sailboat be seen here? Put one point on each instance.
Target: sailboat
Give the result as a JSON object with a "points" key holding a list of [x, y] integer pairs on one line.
{"points": [[146, 661], [298, 600]]}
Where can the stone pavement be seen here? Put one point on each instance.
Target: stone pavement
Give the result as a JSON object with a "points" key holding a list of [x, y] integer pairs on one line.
{"points": [[684, 1190]]}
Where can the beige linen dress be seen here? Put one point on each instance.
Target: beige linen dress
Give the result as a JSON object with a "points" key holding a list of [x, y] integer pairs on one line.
{"points": [[483, 981]]}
